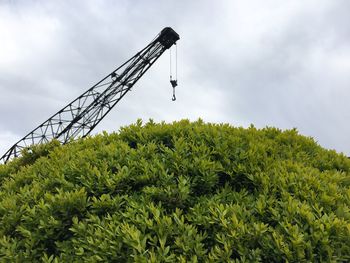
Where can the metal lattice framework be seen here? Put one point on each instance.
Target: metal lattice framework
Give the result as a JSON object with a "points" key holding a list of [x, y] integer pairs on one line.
{"points": [[82, 115]]}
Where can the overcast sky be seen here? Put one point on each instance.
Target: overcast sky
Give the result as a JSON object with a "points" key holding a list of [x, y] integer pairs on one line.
{"points": [[268, 63]]}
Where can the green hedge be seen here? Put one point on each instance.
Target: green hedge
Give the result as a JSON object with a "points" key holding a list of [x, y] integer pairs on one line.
{"points": [[180, 192]]}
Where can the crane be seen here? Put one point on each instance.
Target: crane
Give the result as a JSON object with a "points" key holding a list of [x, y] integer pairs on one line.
{"points": [[82, 115]]}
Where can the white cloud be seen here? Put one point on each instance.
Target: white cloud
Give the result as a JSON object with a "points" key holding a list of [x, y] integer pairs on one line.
{"points": [[25, 36]]}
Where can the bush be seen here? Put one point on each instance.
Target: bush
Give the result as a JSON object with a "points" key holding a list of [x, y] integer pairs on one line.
{"points": [[175, 193]]}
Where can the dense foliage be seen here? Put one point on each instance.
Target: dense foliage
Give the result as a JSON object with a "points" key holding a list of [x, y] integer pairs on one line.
{"points": [[177, 192]]}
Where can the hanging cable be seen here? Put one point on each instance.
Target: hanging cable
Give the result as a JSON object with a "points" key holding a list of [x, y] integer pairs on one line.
{"points": [[176, 61], [173, 81], [170, 63]]}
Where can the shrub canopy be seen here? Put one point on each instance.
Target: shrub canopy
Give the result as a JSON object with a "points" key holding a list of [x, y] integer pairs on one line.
{"points": [[180, 192]]}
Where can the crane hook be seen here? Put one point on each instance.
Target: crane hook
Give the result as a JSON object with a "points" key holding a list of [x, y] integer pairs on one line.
{"points": [[173, 98], [174, 84]]}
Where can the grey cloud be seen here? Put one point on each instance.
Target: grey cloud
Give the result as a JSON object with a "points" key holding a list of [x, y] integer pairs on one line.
{"points": [[239, 62]]}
